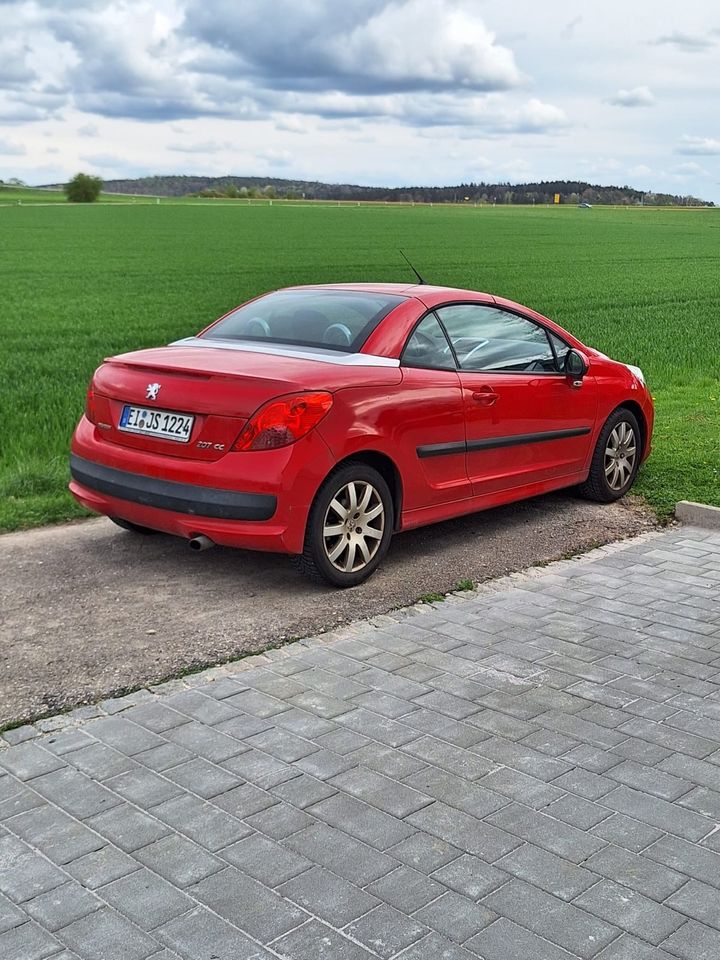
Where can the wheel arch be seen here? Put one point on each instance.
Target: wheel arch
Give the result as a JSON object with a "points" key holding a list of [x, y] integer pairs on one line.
{"points": [[388, 470], [634, 407], [308, 561]]}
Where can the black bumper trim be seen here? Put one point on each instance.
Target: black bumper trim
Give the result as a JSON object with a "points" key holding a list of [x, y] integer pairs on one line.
{"points": [[170, 495], [493, 443]]}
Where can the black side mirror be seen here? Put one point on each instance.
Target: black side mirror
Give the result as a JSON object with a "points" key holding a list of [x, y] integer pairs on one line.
{"points": [[576, 366]]}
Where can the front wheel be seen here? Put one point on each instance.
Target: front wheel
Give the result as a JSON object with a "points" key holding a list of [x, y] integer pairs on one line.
{"points": [[349, 527], [616, 458]]}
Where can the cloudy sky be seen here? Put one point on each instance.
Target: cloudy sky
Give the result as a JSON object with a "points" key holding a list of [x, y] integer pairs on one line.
{"points": [[384, 92]]}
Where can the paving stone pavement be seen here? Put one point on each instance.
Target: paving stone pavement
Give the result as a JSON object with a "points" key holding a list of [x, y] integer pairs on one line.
{"points": [[530, 772]]}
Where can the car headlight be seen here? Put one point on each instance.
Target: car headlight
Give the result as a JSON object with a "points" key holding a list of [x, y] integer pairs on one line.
{"points": [[637, 371]]}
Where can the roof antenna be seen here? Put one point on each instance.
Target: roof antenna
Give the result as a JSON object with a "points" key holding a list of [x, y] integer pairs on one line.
{"points": [[420, 279]]}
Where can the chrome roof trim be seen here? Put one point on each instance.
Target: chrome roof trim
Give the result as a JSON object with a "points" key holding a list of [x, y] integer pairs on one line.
{"points": [[322, 356]]}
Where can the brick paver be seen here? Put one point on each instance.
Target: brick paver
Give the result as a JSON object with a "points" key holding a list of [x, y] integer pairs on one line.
{"points": [[529, 772]]}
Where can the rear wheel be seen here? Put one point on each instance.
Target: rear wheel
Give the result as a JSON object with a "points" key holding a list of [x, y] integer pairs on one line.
{"points": [[349, 527], [132, 527], [616, 458]]}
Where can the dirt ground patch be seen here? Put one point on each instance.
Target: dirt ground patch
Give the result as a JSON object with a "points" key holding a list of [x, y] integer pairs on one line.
{"points": [[87, 610]]}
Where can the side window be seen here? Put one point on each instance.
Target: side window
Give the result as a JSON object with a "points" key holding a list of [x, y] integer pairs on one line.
{"points": [[487, 338], [428, 347]]}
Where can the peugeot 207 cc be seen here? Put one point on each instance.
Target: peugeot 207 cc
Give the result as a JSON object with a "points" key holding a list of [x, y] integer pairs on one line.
{"points": [[318, 421]]}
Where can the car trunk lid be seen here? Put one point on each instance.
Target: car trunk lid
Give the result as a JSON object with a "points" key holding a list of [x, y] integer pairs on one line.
{"points": [[219, 388]]}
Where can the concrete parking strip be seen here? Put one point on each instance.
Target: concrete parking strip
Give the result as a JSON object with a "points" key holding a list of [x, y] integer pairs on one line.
{"points": [[87, 610], [529, 772]]}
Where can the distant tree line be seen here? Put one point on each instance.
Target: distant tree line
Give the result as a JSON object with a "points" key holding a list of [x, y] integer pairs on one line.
{"points": [[571, 191]]}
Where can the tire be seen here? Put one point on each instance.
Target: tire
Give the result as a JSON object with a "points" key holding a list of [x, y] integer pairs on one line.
{"points": [[616, 458], [345, 544], [132, 527]]}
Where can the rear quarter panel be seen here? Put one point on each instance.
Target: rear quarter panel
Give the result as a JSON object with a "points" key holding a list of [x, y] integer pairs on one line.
{"points": [[425, 407]]}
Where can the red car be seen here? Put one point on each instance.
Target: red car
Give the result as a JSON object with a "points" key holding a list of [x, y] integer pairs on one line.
{"points": [[318, 421]]}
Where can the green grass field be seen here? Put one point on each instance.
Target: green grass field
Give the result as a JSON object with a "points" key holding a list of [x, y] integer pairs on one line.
{"points": [[78, 283], [18, 196]]}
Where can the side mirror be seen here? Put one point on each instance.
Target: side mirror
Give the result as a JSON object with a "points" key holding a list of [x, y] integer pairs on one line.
{"points": [[576, 366]]}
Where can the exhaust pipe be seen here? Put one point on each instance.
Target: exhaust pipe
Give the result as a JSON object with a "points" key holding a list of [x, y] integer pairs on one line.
{"points": [[201, 542]]}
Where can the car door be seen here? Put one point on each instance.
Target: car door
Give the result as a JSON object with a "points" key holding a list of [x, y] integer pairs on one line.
{"points": [[429, 415], [526, 421]]}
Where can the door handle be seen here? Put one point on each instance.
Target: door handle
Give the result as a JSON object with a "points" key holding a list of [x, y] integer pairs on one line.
{"points": [[486, 397]]}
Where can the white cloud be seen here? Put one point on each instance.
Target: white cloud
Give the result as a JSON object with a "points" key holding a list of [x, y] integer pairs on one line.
{"points": [[689, 169], [194, 146], [14, 112], [600, 166], [476, 115], [104, 160], [536, 117], [14, 68], [11, 148], [369, 46], [291, 124], [698, 146], [126, 66], [636, 97], [275, 158], [391, 49], [368, 59], [687, 42]]}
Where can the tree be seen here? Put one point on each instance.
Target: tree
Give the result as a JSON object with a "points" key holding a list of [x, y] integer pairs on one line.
{"points": [[83, 188]]}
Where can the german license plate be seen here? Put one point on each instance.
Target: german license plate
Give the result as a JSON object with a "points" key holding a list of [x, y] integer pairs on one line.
{"points": [[157, 423]]}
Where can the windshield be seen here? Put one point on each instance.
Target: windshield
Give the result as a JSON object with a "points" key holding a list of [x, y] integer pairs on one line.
{"points": [[332, 319]]}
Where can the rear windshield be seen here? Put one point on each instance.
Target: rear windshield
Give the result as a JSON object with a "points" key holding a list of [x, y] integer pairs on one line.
{"points": [[332, 319]]}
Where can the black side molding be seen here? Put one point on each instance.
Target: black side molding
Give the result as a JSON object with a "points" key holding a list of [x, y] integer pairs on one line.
{"points": [[441, 449], [492, 443], [521, 438], [170, 495]]}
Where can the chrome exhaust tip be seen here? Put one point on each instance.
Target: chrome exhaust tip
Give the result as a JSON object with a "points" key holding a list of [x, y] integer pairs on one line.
{"points": [[201, 542]]}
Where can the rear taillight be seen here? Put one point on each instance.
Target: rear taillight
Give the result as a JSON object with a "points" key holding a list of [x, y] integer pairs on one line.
{"points": [[283, 421], [90, 411]]}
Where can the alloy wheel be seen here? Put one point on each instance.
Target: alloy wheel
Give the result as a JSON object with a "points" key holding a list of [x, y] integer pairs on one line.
{"points": [[353, 526], [620, 455]]}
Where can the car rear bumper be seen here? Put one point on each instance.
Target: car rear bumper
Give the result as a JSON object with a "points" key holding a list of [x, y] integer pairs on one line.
{"points": [[171, 495], [255, 501]]}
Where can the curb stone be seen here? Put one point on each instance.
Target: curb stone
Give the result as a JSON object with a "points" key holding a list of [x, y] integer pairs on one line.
{"points": [[698, 514]]}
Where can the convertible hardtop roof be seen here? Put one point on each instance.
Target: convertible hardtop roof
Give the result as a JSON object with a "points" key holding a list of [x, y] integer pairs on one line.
{"points": [[416, 290]]}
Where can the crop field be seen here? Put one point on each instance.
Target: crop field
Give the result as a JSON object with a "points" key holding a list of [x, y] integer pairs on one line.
{"points": [[78, 283], [19, 195], [16, 196]]}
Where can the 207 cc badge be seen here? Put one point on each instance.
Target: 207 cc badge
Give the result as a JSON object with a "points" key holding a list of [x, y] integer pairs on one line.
{"points": [[153, 389]]}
